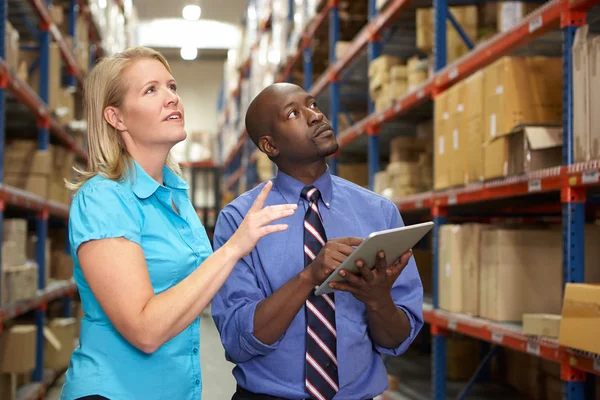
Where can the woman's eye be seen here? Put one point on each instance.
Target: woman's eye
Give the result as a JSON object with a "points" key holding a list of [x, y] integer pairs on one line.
{"points": [[150, 89], [173, 87], [292, 114]]}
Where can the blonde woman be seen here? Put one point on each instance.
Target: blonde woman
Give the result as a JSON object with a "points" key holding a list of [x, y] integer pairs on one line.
{"points": [[143, 263]]}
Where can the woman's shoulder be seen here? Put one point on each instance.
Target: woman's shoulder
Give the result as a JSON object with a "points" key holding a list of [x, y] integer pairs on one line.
{"points": [[102, 190]]}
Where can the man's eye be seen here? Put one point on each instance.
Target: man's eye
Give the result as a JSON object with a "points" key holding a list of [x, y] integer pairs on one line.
{"points": [[292, 114], [314, 105]]}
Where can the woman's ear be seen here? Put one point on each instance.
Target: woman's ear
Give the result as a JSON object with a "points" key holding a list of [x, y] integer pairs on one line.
{"points": [[266, 144], [113, 117]]}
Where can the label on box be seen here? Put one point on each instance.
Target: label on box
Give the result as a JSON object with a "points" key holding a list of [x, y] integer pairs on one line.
{"points": [[590, 176], [533, 348], [534, 185], [446, 116], [597, 364], [454, 73], [497, 337], [397, 107], [441, 146], [420, 94], [448, 270], [452, 325], [455, 138], [535, 24], [499, 89], [493, 125], [452, 199], [460, 108], [419, 204], [381, 116]]}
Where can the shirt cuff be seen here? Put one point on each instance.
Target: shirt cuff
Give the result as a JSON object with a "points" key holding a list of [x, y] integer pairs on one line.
{"points": [[404, 345], [248, 342]]}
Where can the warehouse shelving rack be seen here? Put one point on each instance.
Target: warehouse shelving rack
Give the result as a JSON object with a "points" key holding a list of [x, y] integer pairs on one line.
{"points": [[37, 11], [566, 185]]}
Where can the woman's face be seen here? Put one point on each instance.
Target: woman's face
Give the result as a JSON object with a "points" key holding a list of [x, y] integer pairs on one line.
{"points": [[152, 111]]}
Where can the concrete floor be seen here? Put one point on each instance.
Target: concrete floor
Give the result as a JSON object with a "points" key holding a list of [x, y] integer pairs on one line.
{"points": [[217, 380]]}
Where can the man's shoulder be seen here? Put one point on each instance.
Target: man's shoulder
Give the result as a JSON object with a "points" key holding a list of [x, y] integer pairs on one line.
{"points": [[347, 188]]}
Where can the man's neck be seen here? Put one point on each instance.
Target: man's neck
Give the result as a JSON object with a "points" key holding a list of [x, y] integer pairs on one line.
{"points": [[305, 173]]}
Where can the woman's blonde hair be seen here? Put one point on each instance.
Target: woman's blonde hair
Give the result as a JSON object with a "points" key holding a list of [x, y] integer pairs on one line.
{"points": [[105, 86]]}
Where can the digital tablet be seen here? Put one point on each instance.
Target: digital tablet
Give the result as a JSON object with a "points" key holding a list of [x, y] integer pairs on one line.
{"points": [[394, 242]]}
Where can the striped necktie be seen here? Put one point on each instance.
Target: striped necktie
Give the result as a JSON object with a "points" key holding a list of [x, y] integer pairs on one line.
{"points": [[321, 353]]}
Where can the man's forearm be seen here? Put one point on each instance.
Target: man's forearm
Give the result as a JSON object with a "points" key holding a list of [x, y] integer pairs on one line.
{"points": [[389, 326], [274, 314]]}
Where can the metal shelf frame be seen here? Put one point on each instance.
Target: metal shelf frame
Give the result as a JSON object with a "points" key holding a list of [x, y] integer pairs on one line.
{"points": [[37, 103], [570, 180]]}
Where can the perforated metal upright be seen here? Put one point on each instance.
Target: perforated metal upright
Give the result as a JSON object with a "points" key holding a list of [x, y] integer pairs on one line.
{"points": [[373, 146], [334, 88], [573, 199]]}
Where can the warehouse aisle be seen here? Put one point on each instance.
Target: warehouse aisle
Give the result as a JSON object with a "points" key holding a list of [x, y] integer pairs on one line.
{"points": [[217, 378]]}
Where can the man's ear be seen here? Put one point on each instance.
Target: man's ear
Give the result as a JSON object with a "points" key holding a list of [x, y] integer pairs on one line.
{"points": [[112, 115], [266, 144]]}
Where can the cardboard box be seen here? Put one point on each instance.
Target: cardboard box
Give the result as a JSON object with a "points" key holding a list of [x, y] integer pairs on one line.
{"points": [[357, 173], [19, 283], [457, 106], [381, 182], [340, 48], [459, 264], [466, 16], [11, 47], [418, 72], [23, 157], [17, 349], [581, 94], [541, 325], [462, 357], [57, 353], [526, 149], [521, 271], [405, 149], [32, 254], [404, 174], [581, 317], [378, 84], [383, 102], [15, 242], [475, 161], [8, 386], [62, 265], [441, 158], [382, 64], [425, 29], [516, 92], [33, 183], [510, 13], [397, 88], [594, 98]]}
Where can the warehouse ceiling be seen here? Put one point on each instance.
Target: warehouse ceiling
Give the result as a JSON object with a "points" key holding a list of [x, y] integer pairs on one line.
{"points": [[162, 26]]}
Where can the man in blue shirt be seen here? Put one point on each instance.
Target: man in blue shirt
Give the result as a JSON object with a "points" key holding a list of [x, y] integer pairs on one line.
{"points": [[286, 342]]}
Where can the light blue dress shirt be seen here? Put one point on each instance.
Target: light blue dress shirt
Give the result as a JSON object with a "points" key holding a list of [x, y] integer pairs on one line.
{"points": [[140, 210], [278, 369]]}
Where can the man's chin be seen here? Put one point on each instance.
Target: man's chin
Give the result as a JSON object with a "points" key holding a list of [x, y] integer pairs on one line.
{"points": [[330, 149]]}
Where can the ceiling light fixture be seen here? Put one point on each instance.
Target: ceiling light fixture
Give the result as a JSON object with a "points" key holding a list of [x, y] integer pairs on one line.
{"points": [[192, 12], [189, 53]]}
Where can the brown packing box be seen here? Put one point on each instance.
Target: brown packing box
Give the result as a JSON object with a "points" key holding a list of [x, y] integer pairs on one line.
{"points": [[474, 92], [466, 16], [11, 47], [510, 13], [340, 48], [581, 93], [8, 386], [462, 357], [23, 156], [404, 174], [14, 246], [378, 84], [19, 283], [541, 325], [397, 88], [63, 330], [383, 102], [382, 182], [425, 29], [357, 173], [594, 98], [458, 131], [418, 72], [406, 149], [581, 317], [33, 183], [441, 157], [521, 271], [526, 149], [17, 349], [516, 92], [382, 64], [458, 272]]}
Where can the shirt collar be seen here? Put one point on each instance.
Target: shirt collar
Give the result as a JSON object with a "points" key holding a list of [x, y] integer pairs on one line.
{"points": [[291, 188], [145, 186]]}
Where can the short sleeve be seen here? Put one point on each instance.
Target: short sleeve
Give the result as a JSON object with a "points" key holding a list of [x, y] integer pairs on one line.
{"points": [[102, 210]]}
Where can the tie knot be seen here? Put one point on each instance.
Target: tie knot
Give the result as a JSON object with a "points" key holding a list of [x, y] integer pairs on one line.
{"points": [[310, 193]]}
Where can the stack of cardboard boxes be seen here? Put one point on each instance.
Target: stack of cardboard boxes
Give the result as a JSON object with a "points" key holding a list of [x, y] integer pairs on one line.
{"points": [[586, 94], [11, 47], [41, 172], [19, 275], [501, 274], [509, 125], [61, 260]]}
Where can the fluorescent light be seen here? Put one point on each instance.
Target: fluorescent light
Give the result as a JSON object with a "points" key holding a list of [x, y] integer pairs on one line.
{"points": [[202, 34], [189, 53], [192, 12], [102, 3]]}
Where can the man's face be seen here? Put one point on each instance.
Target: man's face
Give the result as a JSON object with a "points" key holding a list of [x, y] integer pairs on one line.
{"points": [[301, 131]]}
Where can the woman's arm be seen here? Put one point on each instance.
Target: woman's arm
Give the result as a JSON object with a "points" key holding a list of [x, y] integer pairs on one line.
{"points": [[116, 271]]}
